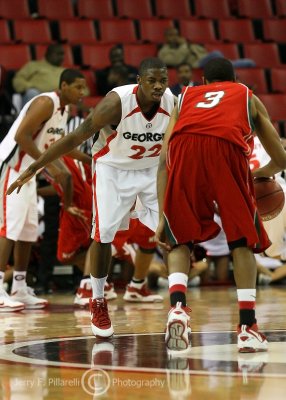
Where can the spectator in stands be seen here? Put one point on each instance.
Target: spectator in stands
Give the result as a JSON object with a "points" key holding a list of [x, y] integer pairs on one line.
{"points": [[116, 57], [117, 76], [177, 50], [40, 76], [184, 75]]}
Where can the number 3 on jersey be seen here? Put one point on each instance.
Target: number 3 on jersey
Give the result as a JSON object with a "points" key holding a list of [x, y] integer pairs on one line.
{"points": [[212, 99]]}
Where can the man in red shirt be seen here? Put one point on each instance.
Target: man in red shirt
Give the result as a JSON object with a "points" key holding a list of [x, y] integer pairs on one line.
{"points": [[204, 164]]}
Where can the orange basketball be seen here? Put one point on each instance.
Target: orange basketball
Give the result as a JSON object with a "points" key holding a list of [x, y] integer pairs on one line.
{"points": [[269, 197]]}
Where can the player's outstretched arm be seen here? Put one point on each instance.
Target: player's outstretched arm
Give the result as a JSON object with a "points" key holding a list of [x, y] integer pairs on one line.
{"points": [[269, 138], [107, 112], [162, 178]]}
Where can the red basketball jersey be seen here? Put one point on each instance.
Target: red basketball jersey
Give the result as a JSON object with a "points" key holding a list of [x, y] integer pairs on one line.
{"points": [[219, 109]]}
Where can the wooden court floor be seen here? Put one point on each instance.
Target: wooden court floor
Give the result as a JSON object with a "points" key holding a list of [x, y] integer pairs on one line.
{"points": [[52, 355]]}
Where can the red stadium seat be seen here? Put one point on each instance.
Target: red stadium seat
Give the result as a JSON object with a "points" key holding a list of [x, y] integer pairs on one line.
{"points": [[32, 31], [134, 9], [281, 8], [95, 9], [278, 80], [4, 32], [255, 8], [212, 9], [40, 50], [14, 56], [229, 50], [172, 76], [237, 31], [55, 9], [275, 29], [77, 31], [90, 81], [173, 9], [200, 31], [134, 54], [154, 31], [117, 31], [265, 55], [254, 78], [91, 101], [14, 9], [96, 56], [276, 105]]}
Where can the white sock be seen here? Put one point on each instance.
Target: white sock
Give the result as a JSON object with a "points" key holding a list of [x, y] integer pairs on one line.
{"points": [[85, 281], [19, 280], [1, 279], [97, 285], [178, 278], [246, 294]]}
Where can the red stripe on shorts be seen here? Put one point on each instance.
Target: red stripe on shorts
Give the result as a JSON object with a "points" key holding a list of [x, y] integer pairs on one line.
{"points": [[3, 228]]}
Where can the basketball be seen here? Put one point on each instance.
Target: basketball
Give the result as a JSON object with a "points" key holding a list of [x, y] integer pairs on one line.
{"points": [[270, 197]]}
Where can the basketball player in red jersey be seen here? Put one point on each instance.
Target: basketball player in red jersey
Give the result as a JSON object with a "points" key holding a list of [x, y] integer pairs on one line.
{"points": [[125, 166], [204, 160]]}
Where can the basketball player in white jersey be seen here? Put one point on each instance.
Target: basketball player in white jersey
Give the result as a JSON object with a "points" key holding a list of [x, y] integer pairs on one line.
{"points": [[276, 227], [124, 168], [40, 123]]}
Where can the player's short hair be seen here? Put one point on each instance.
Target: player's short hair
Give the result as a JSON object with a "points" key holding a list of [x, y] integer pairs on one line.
{"points": [[219, 70], [69, 76], [151, 63]]}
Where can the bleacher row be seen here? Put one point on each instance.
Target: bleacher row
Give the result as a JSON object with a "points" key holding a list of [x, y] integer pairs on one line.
{"points": [[253, 29]]}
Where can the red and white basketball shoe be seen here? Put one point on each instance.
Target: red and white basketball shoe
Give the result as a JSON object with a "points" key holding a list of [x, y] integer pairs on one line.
{"points": [[100, 322], [109, 293], [83, 294], [178, 328], [143, 295], [250, 340], [7, 304]]}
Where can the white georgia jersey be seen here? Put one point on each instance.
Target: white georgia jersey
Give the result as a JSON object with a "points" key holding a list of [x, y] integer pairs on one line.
{"points": [[52, 130], [136, 143], [259, 158]]}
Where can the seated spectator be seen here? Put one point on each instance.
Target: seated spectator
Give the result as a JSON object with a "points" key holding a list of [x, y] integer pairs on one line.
{"points": [[118, 76], [177, 50], [184, 75], [116, 57], [40, 76]]}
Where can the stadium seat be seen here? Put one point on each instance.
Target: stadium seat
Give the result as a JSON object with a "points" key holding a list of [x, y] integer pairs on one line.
{"points": [[14, 9], [14, 56], [40, 50], [96, 56], [55, 9], [265, 55], [32, 31], [212, 9], [172, 76], [95, 10], [237, 31], [4, 32], [91, 101], [255, 9], [134, 54], [275, 29], [134, 9], [90, 81], [281, 8], [254, 78], [200, 31], [151, 31], [278, 80], [117, 31], [77, 31], [229, 50], [276, 105], [173, 9]]}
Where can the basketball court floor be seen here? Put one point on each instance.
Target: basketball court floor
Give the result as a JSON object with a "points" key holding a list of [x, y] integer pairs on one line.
{"points": [[52, 355]]}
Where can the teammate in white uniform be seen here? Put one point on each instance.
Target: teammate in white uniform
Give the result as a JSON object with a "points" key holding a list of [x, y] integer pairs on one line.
{"points": [[125, 165], [40, 123], [276, 227]]}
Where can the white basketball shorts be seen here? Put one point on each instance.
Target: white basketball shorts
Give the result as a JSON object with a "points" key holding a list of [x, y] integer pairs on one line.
{"points": [[115, 192], [18, 211]]}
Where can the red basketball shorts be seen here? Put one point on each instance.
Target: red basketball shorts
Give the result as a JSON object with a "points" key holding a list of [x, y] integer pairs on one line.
{"points": [[204, 170], [137, 233]]}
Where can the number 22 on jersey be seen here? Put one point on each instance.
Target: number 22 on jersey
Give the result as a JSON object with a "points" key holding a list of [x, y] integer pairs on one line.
{"points": [[212, 99]]}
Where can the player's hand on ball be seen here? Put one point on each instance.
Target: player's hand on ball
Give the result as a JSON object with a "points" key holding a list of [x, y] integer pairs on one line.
{"points": [[23, 178]]}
